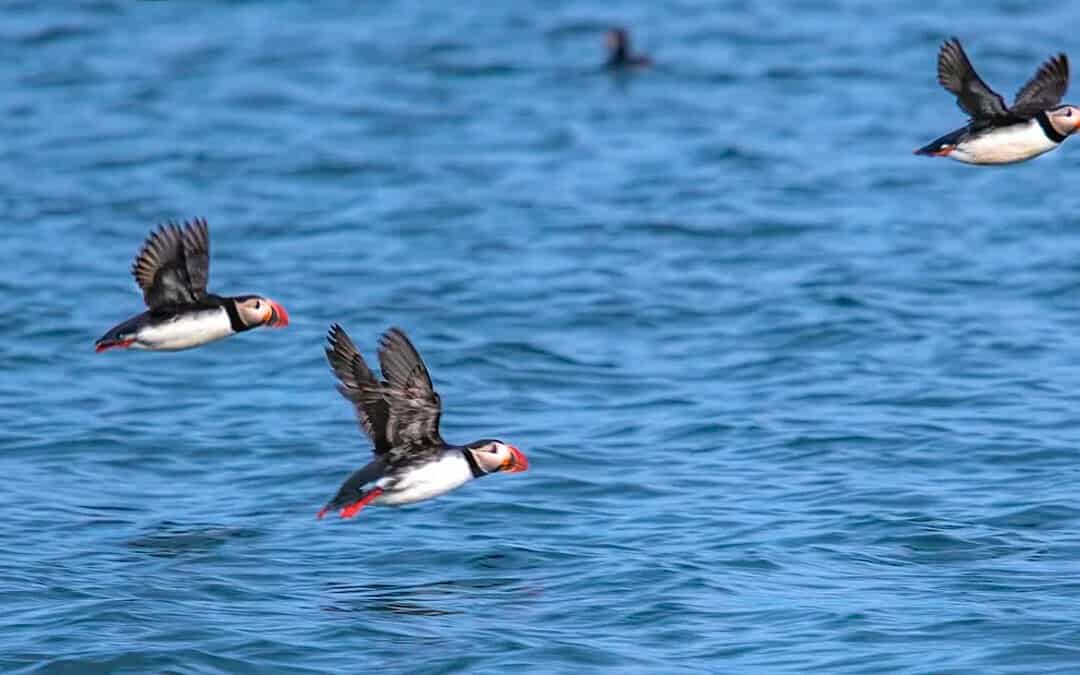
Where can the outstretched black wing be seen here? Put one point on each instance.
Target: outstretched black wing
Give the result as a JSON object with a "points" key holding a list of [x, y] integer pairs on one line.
{"points": [[1045, 90], [415, 408], [358, 384], [197, 255], [173, 265], [957, 75]]}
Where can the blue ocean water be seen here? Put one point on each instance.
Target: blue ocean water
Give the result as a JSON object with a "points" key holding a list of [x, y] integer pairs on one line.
{"points": [[794, 400]]}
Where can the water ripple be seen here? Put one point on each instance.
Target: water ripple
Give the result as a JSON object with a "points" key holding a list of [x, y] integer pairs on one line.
{"points": [[793, 399]]}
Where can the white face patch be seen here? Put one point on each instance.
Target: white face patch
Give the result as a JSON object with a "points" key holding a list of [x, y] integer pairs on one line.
{"points": [[491, 456], [253, 311]]}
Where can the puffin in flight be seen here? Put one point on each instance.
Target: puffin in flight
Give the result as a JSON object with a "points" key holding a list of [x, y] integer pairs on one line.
{"points": [[401, 417], [172, 270], [996, 133]]}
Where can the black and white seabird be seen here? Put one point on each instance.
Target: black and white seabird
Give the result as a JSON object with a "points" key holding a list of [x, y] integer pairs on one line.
{"points": [[172, 269], [996, 133], [401, 417], [617, 41]]}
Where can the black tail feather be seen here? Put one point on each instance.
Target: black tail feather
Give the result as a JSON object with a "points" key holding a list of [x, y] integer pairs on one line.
{"points": [[355, 487]]}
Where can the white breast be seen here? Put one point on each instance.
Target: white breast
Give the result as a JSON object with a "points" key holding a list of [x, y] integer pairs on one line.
{"points": [[1005, 145], [427, 480], [190, 329]]}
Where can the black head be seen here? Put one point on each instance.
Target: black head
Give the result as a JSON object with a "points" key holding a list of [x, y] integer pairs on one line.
{"points": [[251, 311], [617, 41], [492, 455], [1064, 119]]}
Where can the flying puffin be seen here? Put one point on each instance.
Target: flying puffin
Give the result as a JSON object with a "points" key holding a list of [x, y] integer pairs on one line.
{"points": [[401, 417], [172, 269], [996, 133], [617, 41]]}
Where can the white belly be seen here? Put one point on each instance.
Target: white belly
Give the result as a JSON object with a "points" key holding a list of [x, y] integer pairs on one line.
{"points": [[185, 331], [427, 481], [1005, 145]]}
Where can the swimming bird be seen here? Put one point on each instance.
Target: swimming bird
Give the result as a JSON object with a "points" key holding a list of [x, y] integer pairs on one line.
{"points": [[401, 417], [172, 269], [996, 133], [617, 41]]}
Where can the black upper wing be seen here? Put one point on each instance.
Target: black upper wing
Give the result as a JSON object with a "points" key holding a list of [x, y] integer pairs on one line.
{"points": [[415, 408], [974, 96], [173, 265], [197, 254], [1045, 90], [358, 384]]}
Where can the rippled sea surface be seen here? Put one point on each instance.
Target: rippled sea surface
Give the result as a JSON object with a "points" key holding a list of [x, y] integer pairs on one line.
{"points": [[794, 400]]}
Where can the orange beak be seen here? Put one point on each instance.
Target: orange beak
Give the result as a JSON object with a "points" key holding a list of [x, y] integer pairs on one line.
{"points": [[278, 317], [516, 463]]}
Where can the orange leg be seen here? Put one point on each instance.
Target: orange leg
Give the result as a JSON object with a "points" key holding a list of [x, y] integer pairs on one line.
{"points": [[121, 344], [350, 510]]}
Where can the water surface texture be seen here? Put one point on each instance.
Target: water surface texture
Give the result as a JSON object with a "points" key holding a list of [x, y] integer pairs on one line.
{"points": [[794, 400]]}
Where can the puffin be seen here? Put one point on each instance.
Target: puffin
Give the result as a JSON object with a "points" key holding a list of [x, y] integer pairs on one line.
{"points": [[996, 133], [400, 415], [617, 41], [172, 269]]}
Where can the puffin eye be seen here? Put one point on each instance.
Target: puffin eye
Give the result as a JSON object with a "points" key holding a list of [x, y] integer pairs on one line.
{"points": [[493, 450], [256, 304]]}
